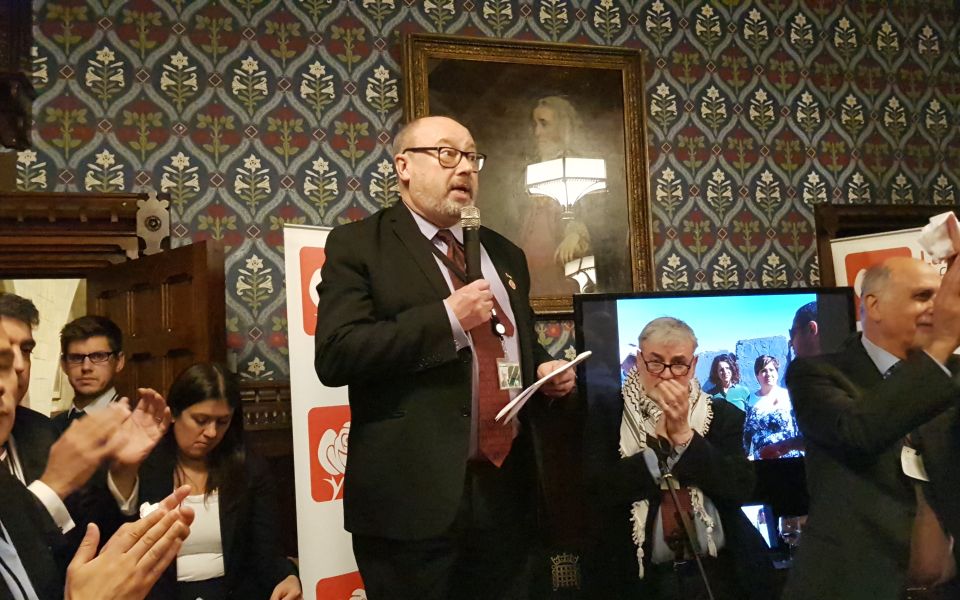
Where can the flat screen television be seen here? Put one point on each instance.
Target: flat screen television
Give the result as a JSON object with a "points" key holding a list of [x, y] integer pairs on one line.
{"points": [[739, 326]]}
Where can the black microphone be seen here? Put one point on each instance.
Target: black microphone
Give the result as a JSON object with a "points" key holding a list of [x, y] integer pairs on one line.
{"points": [[470, 221]]}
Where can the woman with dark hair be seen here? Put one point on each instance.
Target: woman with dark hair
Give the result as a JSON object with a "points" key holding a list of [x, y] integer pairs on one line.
{"points": [[232, 550], [770, 430], [724, 382]]}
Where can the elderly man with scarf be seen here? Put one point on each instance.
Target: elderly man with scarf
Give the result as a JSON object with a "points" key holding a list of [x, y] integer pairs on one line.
{"points": [[662, 422]]}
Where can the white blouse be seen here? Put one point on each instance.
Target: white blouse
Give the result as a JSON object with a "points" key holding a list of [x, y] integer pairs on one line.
{"points": [[201, 555]]}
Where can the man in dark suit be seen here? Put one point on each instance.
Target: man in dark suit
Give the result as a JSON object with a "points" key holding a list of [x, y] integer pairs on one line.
{"points": [[28, 445], [38, 473], [27, 533], [26, 436], [437, 496], [661, 419], [91, 356], [33, 552], [805, 332], [855, 409], [32, 432]]}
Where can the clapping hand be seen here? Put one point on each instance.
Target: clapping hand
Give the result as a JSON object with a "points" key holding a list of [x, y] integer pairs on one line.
{"points": [[134, 558], [82, 447], [143, 429]]}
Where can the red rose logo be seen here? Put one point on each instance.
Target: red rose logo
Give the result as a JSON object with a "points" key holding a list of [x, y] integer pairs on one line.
{"points": [[348, 586], [329, 428], [311, 259]]}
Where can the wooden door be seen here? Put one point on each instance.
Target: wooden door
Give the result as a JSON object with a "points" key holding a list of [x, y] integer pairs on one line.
{"points": [[171, 309]]}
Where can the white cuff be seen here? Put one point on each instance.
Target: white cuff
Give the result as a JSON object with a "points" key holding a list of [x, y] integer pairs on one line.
{"points": [[460, 337], [54, 505], [127, 506], [676, 453]]}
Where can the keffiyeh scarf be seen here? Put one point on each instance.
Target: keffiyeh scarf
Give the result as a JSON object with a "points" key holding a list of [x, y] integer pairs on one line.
{"points": [[640, 417]]}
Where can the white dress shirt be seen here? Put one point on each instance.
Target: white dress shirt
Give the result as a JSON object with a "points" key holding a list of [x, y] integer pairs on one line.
{"points": [[50, 500], [511, 344]]}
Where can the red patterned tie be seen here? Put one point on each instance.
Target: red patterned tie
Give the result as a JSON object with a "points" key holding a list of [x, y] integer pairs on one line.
{"points": [[673, 533], [495, 438]]}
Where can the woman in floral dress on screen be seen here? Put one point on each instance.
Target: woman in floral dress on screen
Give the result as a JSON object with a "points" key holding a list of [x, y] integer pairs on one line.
{"points": [[770, 430]]}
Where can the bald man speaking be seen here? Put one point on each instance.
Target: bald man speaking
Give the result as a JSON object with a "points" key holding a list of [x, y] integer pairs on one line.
{"points": [[438, 496]]}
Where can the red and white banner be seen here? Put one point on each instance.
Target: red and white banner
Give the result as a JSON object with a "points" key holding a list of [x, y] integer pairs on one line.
{"points": [[321, 425], [852, 256]]}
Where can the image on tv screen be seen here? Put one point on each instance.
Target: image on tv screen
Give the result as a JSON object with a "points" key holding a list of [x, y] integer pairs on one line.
{"points": [[743, 349]]}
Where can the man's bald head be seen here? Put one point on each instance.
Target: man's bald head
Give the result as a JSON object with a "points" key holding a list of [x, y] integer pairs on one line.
{"points": [[434, 191], [897, 304], [406, 135]]}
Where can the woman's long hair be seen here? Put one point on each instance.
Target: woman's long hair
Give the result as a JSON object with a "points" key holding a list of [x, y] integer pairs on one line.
{"points": [[730, 359], [212, 381]]}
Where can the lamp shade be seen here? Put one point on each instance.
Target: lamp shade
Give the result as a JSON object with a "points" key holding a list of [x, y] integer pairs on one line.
{"points": [[583, 270], [567, 179]]}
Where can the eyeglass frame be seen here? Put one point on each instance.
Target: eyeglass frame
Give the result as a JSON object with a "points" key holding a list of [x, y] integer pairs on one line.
{"points": [[70, 358], [665, 366], [476, 162]]}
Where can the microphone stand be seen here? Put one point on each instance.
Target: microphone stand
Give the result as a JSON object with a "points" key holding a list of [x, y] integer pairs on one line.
{"points": [[673, 486]]}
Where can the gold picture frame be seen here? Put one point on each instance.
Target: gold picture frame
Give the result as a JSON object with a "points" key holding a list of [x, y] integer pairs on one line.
{"points": [[588, 101]]}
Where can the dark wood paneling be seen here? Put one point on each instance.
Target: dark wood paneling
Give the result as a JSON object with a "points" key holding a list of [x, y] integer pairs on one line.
{"points": [[151, 299]]}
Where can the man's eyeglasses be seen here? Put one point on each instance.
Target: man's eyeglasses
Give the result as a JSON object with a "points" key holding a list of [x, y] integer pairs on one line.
{"points": [[656, 367], [449, 157], [97, 358]]}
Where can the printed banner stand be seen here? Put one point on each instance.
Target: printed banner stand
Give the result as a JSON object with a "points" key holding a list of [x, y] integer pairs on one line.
{"points": [[321, 424]]}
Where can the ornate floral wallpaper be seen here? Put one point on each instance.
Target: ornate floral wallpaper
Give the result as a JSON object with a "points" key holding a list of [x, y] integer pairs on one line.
{"points": [[252, 113]]}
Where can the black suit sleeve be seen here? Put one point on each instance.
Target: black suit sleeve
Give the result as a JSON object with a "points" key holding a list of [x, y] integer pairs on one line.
{"points": [[34, 434], [266, 557], [354, 342], [36, 538], [838, 414], [716, 463]]}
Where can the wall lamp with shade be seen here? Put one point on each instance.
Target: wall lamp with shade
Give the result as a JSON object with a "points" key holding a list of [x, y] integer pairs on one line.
{"points": [[582, 270], [567, 180]]}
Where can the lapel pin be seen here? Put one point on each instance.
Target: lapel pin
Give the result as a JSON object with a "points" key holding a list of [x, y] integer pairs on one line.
{"points": [[510, 281]]}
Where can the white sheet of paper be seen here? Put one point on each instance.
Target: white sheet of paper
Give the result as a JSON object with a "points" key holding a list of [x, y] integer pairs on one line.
{"points": [[510, 411], [912, 464]]}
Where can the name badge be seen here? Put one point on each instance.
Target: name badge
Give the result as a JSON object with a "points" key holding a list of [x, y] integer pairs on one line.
{"points": [[509, 374]]}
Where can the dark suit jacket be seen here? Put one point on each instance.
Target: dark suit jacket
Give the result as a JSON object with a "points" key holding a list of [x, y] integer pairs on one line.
{"points": [[382, 329], [61, 422], [715, 463], [939, 444], [35, 536], [856, 542], [253, 561], [34, 434]]}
